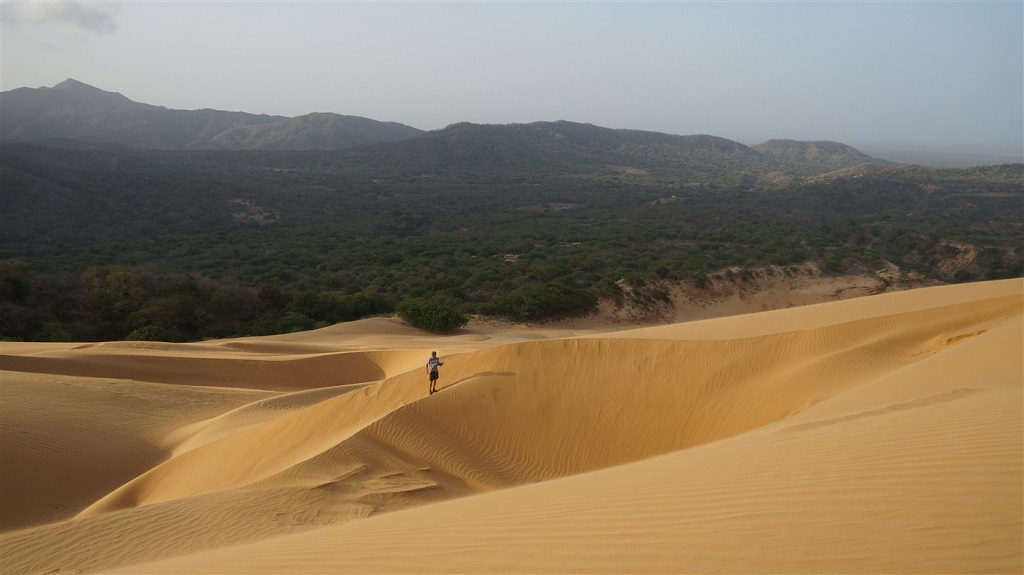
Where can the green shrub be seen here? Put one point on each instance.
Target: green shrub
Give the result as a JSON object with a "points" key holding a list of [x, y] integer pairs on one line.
{"points": [[430, 316], [545, 301]]}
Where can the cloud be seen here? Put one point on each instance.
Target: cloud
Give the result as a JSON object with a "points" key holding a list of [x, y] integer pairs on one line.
{"points": [[72, 13]]}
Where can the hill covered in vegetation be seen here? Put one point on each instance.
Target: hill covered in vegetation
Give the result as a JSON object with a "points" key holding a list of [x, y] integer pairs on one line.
{"points": [[74, 110], [526, 221]]}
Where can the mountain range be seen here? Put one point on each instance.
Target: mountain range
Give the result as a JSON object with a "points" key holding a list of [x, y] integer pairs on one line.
{"points": [[76, 111]]}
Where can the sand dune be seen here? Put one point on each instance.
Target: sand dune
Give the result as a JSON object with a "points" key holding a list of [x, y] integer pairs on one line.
{"points": [[879, 434]]}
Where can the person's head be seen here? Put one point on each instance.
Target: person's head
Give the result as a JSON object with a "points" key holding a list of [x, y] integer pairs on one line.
{"points": [[433, 354]]}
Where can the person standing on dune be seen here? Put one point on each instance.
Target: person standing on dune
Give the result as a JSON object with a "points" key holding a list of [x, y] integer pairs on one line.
{"points": [[432, 364]]}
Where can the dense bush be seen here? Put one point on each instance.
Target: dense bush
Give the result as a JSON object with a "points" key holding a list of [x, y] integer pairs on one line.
{"points": [[328, 308], [129, 303], [430, 316], [543, 302]]}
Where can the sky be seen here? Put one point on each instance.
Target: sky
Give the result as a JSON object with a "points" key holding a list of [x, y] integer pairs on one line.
{"points": [[933, 75]]}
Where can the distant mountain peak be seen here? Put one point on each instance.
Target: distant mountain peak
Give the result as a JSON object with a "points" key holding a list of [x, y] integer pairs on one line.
{"points": [[74, 92], [72, 84]]}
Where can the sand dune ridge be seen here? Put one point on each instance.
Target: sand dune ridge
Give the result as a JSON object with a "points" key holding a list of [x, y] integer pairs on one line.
{"points": [[874, 435]]}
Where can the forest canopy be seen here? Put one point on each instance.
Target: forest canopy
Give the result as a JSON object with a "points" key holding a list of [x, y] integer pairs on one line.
{"points": [[103, 242]]}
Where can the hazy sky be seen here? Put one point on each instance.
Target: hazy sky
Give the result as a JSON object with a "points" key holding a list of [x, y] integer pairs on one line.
{"points": [[944, 75]]}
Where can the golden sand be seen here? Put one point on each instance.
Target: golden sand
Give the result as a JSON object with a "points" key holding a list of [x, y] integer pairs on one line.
{"points": [[882, 434]]}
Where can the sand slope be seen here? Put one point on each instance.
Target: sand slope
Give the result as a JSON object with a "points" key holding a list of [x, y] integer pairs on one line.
{"points": [[882, 434]]}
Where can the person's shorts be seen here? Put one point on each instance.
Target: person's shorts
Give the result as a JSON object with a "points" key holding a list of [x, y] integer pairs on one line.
{"points": [[433, 376]]}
